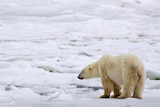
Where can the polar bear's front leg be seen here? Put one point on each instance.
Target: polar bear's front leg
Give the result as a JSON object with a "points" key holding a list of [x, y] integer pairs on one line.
{"points": [[108, 86], [106, 82]]}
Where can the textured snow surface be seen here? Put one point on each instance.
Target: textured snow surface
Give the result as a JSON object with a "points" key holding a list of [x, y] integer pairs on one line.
{"points": [[44, 44]]}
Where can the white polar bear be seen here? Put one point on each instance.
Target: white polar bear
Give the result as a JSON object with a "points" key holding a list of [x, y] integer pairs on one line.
{"points": [[125, 70]]}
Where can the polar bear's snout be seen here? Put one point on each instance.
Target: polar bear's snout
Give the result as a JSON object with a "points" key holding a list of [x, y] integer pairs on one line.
{"points": [[80, 76]]}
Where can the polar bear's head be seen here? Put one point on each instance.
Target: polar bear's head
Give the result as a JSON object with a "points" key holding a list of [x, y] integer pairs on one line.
{"points": [[90, 71]]}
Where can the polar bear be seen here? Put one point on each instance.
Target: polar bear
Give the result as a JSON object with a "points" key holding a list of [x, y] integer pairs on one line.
{"points": [[124, 73]]}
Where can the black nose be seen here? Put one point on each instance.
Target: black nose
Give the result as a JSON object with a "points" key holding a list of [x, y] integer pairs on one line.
{"points": [[79, 77]]}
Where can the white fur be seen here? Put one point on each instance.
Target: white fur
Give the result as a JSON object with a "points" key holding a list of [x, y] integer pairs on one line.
{"points": [[125, 70]]}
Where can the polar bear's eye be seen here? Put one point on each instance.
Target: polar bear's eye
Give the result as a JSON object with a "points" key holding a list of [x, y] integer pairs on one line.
{"points": [[89, 68]]}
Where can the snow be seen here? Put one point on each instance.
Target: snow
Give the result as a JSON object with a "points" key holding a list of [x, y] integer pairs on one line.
{"points": [[44, 44]]}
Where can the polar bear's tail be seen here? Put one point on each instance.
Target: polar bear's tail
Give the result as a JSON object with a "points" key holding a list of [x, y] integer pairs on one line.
{"points": [[140, 83]]}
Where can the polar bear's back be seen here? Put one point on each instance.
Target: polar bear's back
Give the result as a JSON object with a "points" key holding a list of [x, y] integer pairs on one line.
{"points": [[132, 63], [125, 60]]}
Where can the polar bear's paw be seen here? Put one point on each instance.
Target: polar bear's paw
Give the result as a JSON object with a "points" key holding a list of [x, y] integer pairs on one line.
{"points": [[104, 96]]}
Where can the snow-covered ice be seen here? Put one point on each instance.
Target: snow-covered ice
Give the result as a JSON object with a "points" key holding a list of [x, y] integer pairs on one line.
{"points": [[44, 44]]}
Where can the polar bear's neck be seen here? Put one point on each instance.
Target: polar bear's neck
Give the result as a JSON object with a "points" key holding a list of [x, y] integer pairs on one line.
{"points": [[95, 72]]}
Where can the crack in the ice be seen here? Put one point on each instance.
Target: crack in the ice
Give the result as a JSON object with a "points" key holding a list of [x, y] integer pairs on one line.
{"points": [[89, 87]]}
